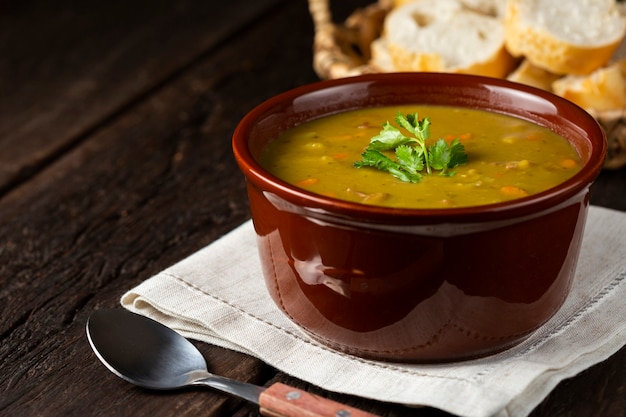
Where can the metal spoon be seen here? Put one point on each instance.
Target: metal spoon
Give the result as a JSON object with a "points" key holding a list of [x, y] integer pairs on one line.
{"points": [[151, 355]]}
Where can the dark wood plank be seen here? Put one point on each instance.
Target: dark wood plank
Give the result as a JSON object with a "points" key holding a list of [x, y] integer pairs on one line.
{"points": [[597, 391], [67, 67]]}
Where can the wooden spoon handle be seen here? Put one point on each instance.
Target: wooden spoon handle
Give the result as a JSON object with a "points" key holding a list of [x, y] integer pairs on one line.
{"points": [[280, 400]]}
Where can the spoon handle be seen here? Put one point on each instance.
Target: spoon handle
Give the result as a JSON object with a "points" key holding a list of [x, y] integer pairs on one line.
{"points": [[280, 400]]}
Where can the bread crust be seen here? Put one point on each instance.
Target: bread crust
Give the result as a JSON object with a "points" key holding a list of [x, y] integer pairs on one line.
{"points": [[529, 74], [420, 37], [602, 90], [545, 50]]}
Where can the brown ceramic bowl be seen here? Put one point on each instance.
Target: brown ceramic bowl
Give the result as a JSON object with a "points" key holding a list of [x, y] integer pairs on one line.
{"points": [[415, 284]]}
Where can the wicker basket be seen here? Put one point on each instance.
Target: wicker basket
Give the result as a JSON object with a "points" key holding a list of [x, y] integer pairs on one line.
{"points": [[343, 50]]}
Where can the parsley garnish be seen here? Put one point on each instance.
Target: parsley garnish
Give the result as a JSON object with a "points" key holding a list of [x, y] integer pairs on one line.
{"points": [[412, 155]]}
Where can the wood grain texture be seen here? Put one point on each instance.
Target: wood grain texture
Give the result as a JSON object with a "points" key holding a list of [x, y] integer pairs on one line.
{"points": [[115, 162], [68, 67], [596, 392]]}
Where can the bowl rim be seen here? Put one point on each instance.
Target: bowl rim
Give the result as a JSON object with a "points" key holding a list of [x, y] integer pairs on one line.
{"points": [[580, 182]]}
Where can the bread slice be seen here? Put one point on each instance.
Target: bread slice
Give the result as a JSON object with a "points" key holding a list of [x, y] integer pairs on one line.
{"points": [[445, 36], [529, 74], [380, 57], [496, 8], [398, 3], [488, 7], [601, 91], [564, 37]]}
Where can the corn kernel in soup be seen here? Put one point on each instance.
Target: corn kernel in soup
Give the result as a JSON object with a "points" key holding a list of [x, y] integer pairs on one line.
{"points": [[509, 158]]}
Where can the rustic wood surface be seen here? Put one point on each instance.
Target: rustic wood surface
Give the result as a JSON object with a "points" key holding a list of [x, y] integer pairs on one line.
{"points": [[115, 162]]}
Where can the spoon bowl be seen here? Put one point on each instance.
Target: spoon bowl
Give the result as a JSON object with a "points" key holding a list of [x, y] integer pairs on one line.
{"points": [[140, 352], [149, 354]]}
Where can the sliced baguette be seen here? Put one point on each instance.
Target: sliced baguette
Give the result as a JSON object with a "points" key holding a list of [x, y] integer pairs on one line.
{"points": [[488, 7], [602, 90], [496, 8], [380, 57], [564, 37], [445, 36], [398, 3], [527, 73]]}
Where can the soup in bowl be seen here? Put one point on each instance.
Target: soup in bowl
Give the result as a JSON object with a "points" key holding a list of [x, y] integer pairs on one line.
{"points": [[453, 276]]}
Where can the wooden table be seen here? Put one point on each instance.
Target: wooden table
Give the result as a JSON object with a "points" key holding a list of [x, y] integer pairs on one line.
{"points": [[115, 162]]}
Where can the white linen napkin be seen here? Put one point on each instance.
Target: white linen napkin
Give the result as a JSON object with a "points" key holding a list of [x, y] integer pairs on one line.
{"points": [[218, 295]]}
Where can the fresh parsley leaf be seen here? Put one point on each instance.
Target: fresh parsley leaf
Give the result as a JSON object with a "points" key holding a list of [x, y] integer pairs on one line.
{"points": [[445, 155], [389, 138], [439, 155], [377, 159], [411, 122], [411, 159], [420, 129], [412, 154], [458, 155]]}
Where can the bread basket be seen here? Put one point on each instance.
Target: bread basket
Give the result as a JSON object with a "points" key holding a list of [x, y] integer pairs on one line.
{"points": [[343, 50]]}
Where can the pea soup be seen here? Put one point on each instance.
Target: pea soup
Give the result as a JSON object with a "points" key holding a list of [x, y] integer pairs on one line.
{"points": [[507, 158]]}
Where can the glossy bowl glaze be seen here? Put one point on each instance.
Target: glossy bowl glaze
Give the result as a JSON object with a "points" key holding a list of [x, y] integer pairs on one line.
{"points": [[417, 285]]}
